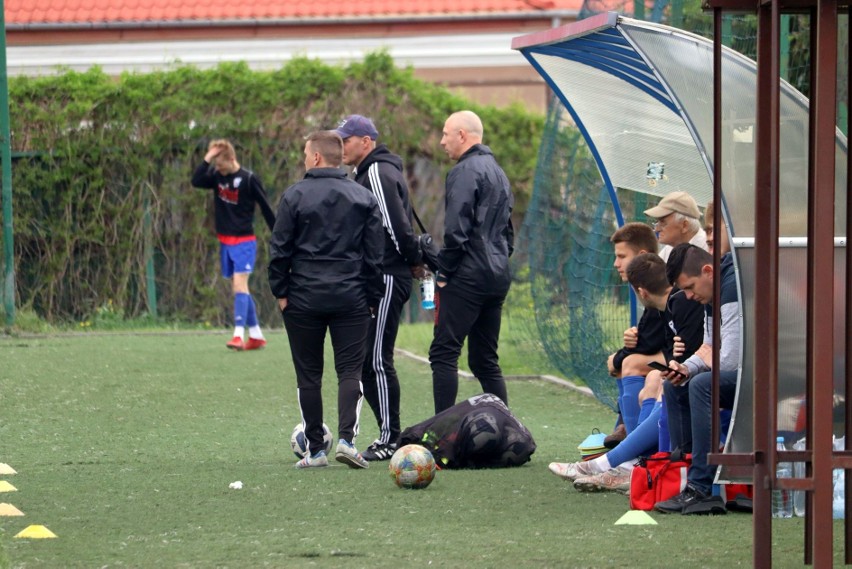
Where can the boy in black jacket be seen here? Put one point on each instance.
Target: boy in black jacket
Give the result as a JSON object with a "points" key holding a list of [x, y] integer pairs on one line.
{"points": [[380, 171]]}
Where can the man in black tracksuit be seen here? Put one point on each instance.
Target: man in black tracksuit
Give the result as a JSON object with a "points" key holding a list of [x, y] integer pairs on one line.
{"points": [[325, 269], [377, 169], [473, 266]]}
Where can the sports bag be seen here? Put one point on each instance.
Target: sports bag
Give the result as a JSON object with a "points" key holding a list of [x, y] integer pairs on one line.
{"points": [[657, 478]]}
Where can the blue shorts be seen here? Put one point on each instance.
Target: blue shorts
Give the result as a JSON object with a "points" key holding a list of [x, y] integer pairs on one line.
{"points": [[237, 258]]}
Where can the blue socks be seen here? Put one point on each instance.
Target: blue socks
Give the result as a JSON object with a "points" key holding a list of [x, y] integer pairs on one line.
{"points": [[251, 315], [241, 308], [632, 385], [647, 407]]}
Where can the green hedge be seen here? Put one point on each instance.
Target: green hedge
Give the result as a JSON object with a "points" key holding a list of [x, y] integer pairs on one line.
{"points": [[94, 153]]}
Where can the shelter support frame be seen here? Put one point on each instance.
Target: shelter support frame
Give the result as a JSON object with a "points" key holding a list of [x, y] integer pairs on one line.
{"points": [[819, 457]]}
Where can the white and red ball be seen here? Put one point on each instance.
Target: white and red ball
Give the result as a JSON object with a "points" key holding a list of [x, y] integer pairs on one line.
{"points": [[412, 466]]}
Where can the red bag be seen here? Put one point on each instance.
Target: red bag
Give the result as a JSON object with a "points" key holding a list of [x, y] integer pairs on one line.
{"points": [[657, 478]]}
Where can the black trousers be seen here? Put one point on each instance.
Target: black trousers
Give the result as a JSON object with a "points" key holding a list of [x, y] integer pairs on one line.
{"points": [[476, 316], [379, 379], [306, 332]]}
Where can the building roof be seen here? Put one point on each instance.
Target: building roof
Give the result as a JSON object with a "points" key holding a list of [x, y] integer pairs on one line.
{"points": [[58, 12]]}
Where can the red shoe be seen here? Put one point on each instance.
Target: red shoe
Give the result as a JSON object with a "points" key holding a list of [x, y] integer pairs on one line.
{"points": [[254, 344], [236, 344]]}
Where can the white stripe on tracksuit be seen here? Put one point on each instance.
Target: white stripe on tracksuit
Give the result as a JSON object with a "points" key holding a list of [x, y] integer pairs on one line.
{"points": [[379, 362], [378, 191]]}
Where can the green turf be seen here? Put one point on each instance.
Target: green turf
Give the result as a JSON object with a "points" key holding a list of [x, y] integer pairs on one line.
{"points": [[125, 446]]}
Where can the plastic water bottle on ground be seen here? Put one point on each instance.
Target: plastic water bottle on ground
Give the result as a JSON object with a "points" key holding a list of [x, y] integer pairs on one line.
{"points": [[799, 472], [782, 502], [427, 293], [838, 505]]}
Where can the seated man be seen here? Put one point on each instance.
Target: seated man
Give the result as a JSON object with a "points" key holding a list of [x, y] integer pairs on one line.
{"points": [[688, 391], [683, 320], [629, 364], [678, 221]]}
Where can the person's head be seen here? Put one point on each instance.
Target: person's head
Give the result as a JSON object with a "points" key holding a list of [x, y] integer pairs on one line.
{"points": [[630, 240], [323, 149], [461, 131], [646, 273], [225, 161], [709, 224], [690, 268], [359, 136], [677, 218]]}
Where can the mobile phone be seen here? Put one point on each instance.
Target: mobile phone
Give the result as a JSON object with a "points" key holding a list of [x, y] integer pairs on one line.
{"points": [[663, 368]]}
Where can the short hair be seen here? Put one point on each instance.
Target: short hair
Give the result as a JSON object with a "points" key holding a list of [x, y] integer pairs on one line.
{"points": [[693, 223], [638, 235], [227, 152], [469, 122], [708, 214], [686, 259], [329, 145], [648, 271]]}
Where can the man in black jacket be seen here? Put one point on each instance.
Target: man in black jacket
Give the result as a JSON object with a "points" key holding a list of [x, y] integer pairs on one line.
{"points": [[377, 169], [325, 269], [473, 266], [237, 190]]}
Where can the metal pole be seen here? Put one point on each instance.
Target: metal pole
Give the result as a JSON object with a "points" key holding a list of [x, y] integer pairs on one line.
{"points": [[150, 273], [639, 9], [6, 164]]}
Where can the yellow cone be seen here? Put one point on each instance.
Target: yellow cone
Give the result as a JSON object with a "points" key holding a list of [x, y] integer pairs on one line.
{"points": [[636, 518], [36, 532], [10, 510], [6, 469], [6, 487]]}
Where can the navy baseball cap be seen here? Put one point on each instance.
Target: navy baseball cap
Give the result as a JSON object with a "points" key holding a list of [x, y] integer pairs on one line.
{"points": [[356, 125]]}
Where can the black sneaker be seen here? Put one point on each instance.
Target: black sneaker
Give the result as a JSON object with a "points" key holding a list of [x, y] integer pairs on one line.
{"points": [[378, 451], [675, 505], [707, 506]]}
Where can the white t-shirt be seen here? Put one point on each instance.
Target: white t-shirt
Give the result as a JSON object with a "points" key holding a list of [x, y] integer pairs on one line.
{"points": [[699, 240]]}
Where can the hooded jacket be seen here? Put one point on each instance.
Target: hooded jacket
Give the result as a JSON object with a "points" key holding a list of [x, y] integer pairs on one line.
{"points": [[326, 247], [381, 173], [478, 233]]}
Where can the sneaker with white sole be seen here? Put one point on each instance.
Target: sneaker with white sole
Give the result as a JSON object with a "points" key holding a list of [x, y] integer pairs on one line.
{"points": [[349, 455], [316, 461], [571, 470], [614, 480], [378, 451]]}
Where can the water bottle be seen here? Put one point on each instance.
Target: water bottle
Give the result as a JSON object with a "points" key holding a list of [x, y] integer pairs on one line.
{"points": [[427, 293], [799, 472], [782, 503], [838, 504]]}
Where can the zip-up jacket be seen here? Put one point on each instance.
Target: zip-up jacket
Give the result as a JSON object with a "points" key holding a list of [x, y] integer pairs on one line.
{"points": [[235, 197], [327, 243], [684, 318], [381, 173], [651, 337], [478, 233], [729, 330]]}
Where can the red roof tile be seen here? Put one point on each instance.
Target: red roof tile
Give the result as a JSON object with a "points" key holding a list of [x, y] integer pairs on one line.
{"points": [[87, 11]]}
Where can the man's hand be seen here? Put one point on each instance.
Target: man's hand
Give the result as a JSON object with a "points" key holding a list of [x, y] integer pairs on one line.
{"points": [[212, 153], [610, 366], [282, 304], [418, 271], [631, 337], [679, 373], [679, 347]]}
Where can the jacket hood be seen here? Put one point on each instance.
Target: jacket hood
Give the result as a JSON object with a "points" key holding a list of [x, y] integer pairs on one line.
{"points": [[380, 154]]}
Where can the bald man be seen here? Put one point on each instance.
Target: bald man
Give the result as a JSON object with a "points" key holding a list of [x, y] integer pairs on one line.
{"points": [[472, 275]]}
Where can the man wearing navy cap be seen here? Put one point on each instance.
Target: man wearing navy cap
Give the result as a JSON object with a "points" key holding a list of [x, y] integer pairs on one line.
{"points": [[380, 171]]}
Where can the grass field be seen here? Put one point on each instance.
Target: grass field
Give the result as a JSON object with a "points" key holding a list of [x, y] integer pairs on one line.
{"points": [[125, 445]]}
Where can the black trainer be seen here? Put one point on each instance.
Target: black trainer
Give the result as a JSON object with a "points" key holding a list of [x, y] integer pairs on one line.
{"points": [[675, 505], [378, 451]]}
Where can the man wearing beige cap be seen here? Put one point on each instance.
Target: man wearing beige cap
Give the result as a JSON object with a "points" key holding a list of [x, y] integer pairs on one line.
{"points": [[678, 222]]}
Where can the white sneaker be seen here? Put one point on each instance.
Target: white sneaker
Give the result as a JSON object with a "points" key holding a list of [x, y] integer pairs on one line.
{"points": [[315, 461], [571, 470], [349, 455]]}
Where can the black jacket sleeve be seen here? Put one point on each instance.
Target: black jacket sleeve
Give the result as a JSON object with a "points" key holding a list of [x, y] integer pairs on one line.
{"points": [[652, 337], [373, 253], [262, 200], [688, 322], [281, 248], [458, 219], [395, 217], [203, 176]]}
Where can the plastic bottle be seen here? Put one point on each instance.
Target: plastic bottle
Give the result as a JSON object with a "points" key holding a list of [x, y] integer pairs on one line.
{"points": [[782, 503], [799, 472], [427, 293], [838, 504]]}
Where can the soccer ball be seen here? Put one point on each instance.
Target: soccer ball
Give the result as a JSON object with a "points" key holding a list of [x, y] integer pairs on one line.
{"points": [[299, 442], [412, 466]]}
